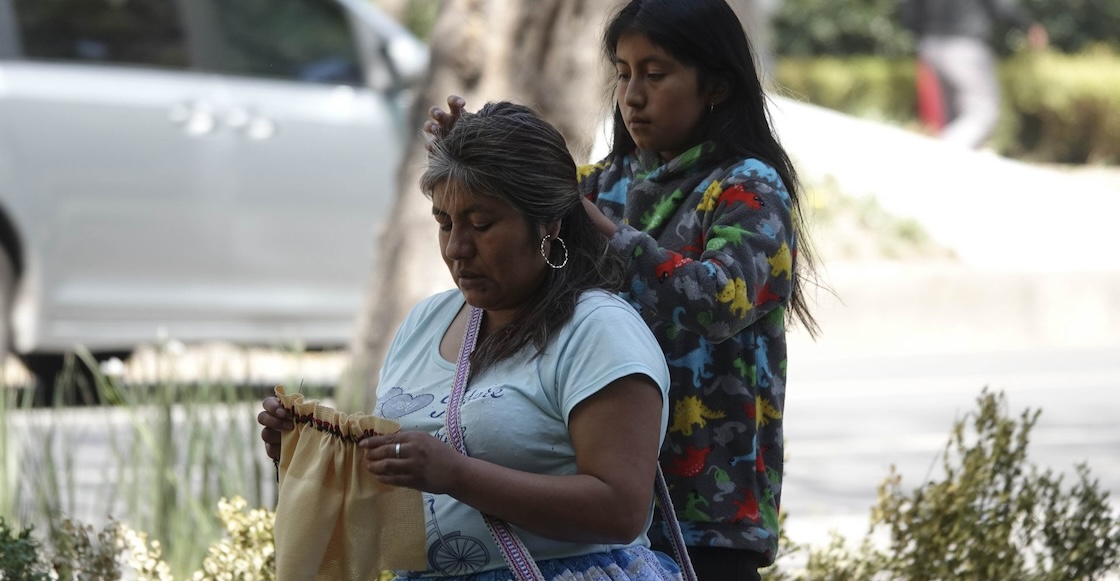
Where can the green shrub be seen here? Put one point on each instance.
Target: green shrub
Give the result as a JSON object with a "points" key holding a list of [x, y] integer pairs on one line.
{"points": [[1056, 108], [20, 555], [868, 87], [993, 517], [804, 28], [246, 552], [839, 27], [1061, 108], [1074, 25], [79, 553], [174, 450]]}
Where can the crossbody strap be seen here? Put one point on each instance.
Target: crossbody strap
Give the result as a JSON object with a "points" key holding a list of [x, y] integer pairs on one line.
{"points": [[676, 538], [520, 562], [517, 556]]}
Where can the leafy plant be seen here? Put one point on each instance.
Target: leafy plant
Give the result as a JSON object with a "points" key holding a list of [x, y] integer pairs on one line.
{"points": [[993, 517], [1074, 25], [839, 27], [871, 27], [20, 555], [248, 552], [1056, 108], [79, 553], [175, 449], [9, 463]]}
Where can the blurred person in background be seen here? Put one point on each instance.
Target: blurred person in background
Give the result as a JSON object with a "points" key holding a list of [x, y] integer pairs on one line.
{"points": [[958, 80]]}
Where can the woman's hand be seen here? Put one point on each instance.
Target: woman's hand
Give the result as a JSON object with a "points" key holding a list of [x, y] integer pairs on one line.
{"points": [[275, 419], [441, 122], [413, 460]]}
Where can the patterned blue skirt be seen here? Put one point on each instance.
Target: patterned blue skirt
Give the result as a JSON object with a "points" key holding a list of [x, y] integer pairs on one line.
{"points": [[632, 564]]}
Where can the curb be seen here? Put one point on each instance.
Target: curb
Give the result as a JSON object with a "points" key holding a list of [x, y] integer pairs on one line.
{"points": [[885, 308]]}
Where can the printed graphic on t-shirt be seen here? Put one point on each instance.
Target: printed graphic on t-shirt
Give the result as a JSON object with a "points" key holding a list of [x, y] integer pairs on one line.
{"points": [[397, 404], [449, 552]]}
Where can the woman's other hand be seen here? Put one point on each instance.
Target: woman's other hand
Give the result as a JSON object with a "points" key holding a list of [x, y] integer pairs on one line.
{"points": [[275, 419], [414, 460], [440, 122]]}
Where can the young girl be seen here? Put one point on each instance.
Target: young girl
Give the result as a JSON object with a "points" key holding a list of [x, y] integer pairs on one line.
{"points": [[700, 199]]}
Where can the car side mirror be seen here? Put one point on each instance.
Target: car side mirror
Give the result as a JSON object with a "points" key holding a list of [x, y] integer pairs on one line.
{"points": [[409, 59]]}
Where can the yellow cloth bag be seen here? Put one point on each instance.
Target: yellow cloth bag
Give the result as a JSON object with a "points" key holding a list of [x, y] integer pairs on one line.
{"points": [[334, 520]]}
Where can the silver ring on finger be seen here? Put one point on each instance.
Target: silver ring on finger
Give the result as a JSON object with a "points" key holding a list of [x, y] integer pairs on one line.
{"points": [[397, 450]]}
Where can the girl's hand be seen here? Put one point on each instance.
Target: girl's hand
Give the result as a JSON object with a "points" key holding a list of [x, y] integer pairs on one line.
{"points": [[275, 419], [414, 460], [440, 122], [601, 221]]}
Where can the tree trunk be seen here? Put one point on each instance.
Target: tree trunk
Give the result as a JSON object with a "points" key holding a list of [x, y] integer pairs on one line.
{"points": [[757, 19], [541, 53], [397, 9]]}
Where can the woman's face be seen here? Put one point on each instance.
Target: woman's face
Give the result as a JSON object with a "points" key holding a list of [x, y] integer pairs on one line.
{"points": [[488, 249], [659, 97]]}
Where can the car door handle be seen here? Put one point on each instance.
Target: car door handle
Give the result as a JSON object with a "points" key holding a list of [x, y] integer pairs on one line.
{"points": [[251, 124], [197, 118]]}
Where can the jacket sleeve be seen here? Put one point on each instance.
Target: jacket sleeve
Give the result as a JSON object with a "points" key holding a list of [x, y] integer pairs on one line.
{"points": [[746, 262], [588, 177]]}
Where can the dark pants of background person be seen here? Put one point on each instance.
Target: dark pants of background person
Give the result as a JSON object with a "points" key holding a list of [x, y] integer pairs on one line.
{"points": [[720, 564]]}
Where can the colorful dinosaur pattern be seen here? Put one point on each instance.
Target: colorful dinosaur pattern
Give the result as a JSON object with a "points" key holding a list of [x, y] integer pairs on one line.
{"points": [[711, 258]]}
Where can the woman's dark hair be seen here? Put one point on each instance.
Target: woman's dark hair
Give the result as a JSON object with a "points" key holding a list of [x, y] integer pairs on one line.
{"points": [[507, 151], [707, 36]]}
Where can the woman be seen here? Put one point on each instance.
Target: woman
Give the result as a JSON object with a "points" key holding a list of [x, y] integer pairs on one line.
{"points": [[701, 200], [559, 359]]}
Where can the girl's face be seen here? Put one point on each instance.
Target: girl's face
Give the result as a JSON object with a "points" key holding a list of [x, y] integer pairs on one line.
{"points": [[487, 247], [659, 97]]}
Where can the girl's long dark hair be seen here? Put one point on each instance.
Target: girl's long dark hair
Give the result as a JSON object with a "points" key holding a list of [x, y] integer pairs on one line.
{"points": [[508, 151], [707, 36]]}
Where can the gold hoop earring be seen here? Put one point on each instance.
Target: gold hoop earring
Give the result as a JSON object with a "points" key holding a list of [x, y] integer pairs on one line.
{"points": [[544, 252]]}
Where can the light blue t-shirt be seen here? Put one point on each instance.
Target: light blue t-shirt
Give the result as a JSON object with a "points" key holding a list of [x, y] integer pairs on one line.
{"points": [[514, 414]]}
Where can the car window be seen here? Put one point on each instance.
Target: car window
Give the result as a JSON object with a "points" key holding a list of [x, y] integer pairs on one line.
{"points": [[300, 40], [139, 32]]}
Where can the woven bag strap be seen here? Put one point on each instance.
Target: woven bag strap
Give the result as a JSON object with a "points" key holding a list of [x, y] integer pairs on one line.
{"points": [[676, 538], [517, 556]]}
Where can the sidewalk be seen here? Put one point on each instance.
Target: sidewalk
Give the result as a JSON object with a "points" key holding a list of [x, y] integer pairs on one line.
{"points": [[997, 214], [1039, 248]]}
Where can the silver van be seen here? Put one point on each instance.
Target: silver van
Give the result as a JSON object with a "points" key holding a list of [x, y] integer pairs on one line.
{"points": [[198, 169]]}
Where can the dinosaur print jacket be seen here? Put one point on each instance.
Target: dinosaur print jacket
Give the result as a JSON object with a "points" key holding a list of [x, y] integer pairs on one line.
{"points": [[710, 248]]}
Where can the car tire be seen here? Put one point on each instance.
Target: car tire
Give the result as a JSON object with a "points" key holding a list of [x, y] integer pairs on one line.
{"points": [[7, 290], [79, 386]]}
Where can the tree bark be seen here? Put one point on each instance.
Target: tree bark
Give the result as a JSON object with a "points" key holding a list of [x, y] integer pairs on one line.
{"points": [[398, 9], [757, 18], [541, 53]]}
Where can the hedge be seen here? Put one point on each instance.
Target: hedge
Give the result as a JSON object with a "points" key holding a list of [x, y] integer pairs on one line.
{"points": [[1057, 108], [870, 27]]}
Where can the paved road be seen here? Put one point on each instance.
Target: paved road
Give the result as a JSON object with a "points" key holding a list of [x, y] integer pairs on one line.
{"points": [[848, 419]]}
